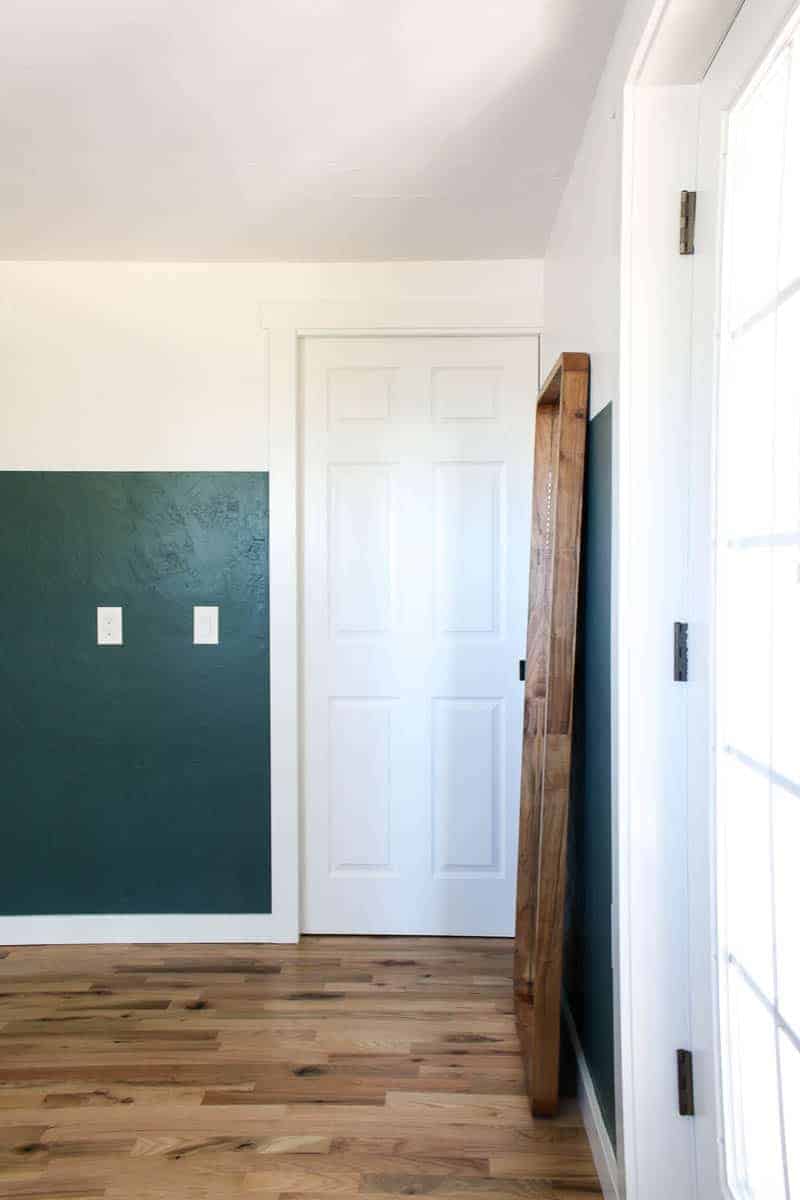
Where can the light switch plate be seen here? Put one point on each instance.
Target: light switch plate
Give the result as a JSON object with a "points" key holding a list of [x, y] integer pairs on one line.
{"points": [[109, 626], [206, 625]]}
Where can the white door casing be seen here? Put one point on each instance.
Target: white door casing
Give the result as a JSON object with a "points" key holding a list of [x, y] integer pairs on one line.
{"points": [[416, 459]]}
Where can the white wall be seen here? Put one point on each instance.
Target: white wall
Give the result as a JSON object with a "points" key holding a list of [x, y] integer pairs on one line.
{"points": [[140, 366], [582, 263]]}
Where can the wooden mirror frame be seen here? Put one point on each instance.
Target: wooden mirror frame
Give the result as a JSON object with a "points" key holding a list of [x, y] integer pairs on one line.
{"points": [[559, 451]]}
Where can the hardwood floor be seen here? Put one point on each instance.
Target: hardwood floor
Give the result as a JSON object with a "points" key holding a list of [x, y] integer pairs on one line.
{"points": [[342, 1066]]}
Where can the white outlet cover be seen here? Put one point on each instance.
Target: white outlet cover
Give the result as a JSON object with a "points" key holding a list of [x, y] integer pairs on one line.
{"points": [[109, 626], [206, 625]]}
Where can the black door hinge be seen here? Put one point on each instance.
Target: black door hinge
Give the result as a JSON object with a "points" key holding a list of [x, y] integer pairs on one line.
{"points": [[522, 670], [688, 209], [685, 1083], [680, 671]]}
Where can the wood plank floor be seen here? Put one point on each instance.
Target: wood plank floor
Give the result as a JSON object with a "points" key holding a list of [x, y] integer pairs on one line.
{"points": [[342, 1066]]}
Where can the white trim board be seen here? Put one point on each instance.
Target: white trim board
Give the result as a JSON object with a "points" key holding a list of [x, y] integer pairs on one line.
{"points": [[605, 1160], [652, 523], [126, 928]]}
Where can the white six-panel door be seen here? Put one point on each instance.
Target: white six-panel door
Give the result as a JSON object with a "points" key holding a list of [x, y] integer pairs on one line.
{"points": [[416, 459]]}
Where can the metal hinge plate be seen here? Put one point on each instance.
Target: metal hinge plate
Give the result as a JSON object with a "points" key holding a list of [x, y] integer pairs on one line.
{"points": [[522, 670], [680, 669], [685, 1083], [688, 207]]}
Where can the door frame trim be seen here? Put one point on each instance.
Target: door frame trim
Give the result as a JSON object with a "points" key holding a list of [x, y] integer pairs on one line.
{"points": [[288, 326], [650, 901]]}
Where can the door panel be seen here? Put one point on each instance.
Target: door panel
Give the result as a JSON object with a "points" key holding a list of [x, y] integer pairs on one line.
{"points": [[417, 470]]}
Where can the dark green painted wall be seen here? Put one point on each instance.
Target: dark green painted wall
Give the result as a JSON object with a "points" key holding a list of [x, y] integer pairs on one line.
{"points": [[135, 778], [589, 980]]}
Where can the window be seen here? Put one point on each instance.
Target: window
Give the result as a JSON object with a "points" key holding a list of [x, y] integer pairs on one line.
{"points": [[758, 636]]}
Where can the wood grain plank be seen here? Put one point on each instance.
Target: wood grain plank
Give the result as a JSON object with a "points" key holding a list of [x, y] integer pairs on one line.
{"points": [[180, 1073]]}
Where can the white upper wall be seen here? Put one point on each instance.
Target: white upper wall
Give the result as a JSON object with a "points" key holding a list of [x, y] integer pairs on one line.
{"points": [[115, 366], [268, 130], [582, 261]]}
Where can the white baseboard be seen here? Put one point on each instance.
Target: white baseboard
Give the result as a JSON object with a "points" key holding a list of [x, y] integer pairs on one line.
{"points": [[605, 1159], [152, 928]]}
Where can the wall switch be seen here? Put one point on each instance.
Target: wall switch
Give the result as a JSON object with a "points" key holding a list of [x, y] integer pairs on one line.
{"points": [[109, 626], [206, 625]]}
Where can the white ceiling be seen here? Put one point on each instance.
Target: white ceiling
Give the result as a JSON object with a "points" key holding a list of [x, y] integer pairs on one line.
{"points": [[291, 129]]}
